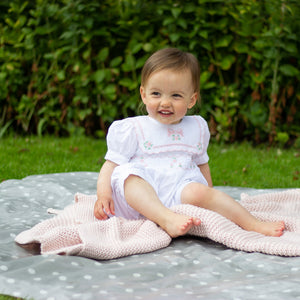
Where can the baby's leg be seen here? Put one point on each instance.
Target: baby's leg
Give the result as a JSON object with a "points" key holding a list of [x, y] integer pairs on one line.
{"points": [[212, 199], [141, 196]]}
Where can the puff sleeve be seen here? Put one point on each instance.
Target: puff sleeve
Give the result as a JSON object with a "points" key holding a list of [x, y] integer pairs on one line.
{"points": [[121, 142], [203, 157]]}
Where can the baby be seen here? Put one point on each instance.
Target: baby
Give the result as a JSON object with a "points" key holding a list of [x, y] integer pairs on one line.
{"points": [[160, 160]]}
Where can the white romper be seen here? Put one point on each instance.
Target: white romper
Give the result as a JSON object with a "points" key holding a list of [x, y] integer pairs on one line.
{"points": [[166, 156]]}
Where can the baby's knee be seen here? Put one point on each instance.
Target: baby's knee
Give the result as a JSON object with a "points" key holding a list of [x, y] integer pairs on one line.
{"points": [[195, 194]]}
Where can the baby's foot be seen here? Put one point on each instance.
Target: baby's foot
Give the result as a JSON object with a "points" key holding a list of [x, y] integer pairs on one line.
{"points": [[270, 228], [180, 224]]}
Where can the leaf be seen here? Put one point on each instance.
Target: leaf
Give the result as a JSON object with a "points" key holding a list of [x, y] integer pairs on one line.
{"points": [[227, 62], [204, 33], [115, 62], [148, 47], [136, 48], [176, 12], [241, 47], [289, 70], [129, 83], [205, 77], [182, 23], [174, 37], [61, 75], [99, 75], [224, 41], [40, 127], [103, 54]]}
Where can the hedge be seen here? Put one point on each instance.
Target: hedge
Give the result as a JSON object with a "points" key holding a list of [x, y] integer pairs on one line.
{"points": [[72, 67]]}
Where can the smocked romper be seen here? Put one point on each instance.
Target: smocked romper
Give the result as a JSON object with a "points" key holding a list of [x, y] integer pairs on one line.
{"points": [[166, 156]]}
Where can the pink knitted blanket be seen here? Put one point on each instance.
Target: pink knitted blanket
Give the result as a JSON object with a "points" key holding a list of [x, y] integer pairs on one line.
{"points": [[75, 231]]}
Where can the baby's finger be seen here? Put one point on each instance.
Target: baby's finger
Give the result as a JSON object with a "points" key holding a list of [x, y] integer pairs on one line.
{"points": [[99, 213], [112, 208]]}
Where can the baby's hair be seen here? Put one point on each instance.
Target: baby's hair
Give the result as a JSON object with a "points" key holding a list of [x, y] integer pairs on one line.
{"points": [[173, 59]]}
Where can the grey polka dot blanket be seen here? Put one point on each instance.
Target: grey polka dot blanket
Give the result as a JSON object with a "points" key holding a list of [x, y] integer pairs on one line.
{"points": [[75, 230]]}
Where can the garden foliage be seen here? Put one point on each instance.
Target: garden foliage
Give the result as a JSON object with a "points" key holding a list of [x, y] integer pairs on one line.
{"points": [[71, 67]]}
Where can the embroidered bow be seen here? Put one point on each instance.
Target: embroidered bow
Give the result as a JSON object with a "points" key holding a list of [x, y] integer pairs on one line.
{"points": [[172, 132]]}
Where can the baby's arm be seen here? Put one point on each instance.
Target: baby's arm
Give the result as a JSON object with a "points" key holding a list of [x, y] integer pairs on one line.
{"points": [[104, 192], [206, 173]]}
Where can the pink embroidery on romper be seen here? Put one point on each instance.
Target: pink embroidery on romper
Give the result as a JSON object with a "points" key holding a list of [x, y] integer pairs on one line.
{"points": [[175, 134], [148, 145]]}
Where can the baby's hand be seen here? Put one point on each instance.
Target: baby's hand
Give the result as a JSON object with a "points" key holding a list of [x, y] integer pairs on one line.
{"points": [[104, 206]]}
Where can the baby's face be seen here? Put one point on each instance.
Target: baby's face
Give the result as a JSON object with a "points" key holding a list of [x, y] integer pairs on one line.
{"points": [[168, 95]]}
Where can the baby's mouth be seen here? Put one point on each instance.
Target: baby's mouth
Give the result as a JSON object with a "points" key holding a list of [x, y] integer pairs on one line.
{"points": [[165, 112]]}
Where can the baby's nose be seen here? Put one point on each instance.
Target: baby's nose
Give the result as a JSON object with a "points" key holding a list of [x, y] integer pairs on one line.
{"points": [[165, 102]]}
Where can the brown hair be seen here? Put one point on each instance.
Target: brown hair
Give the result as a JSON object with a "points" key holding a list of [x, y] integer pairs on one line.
{"points": [[174, 59]]}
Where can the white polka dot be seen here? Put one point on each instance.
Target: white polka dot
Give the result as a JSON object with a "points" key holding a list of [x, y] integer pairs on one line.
{"points": [[203, 283], [196, 262], [294, 269], [62, 278], [160, 275], [31, 271], [154, 289], [3, 268], [10, 280], [43, 292], [87, 277], [74, 263], [178, 286], [129, 290], [76, 295], [260, 266], [69, 287], [136, 275], [37, 279], [102, 292], [55, 273], [174, 263], [112, 276]]}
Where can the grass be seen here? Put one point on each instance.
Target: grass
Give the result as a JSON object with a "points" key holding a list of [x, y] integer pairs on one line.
{"points": [[233, 165], [6, 297]]}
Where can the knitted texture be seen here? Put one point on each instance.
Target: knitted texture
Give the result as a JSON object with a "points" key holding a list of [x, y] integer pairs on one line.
{"points": [[75, 230]]}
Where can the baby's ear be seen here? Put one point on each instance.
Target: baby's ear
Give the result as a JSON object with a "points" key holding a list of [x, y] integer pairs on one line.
{"points": [[143, 93], [193, 100]]}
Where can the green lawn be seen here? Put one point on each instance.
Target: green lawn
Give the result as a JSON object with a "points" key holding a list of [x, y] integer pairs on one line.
{"points": [[234, 165]]}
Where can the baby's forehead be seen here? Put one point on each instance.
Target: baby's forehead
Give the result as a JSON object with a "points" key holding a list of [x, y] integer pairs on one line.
{"points": [[177, 71]]}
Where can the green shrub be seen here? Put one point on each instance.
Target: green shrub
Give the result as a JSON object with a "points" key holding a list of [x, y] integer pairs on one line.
{"points": [[72, 67]]}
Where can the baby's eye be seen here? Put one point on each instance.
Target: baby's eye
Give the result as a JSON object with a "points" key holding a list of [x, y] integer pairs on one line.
{"points": [[177, 96], [156, 94]]}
